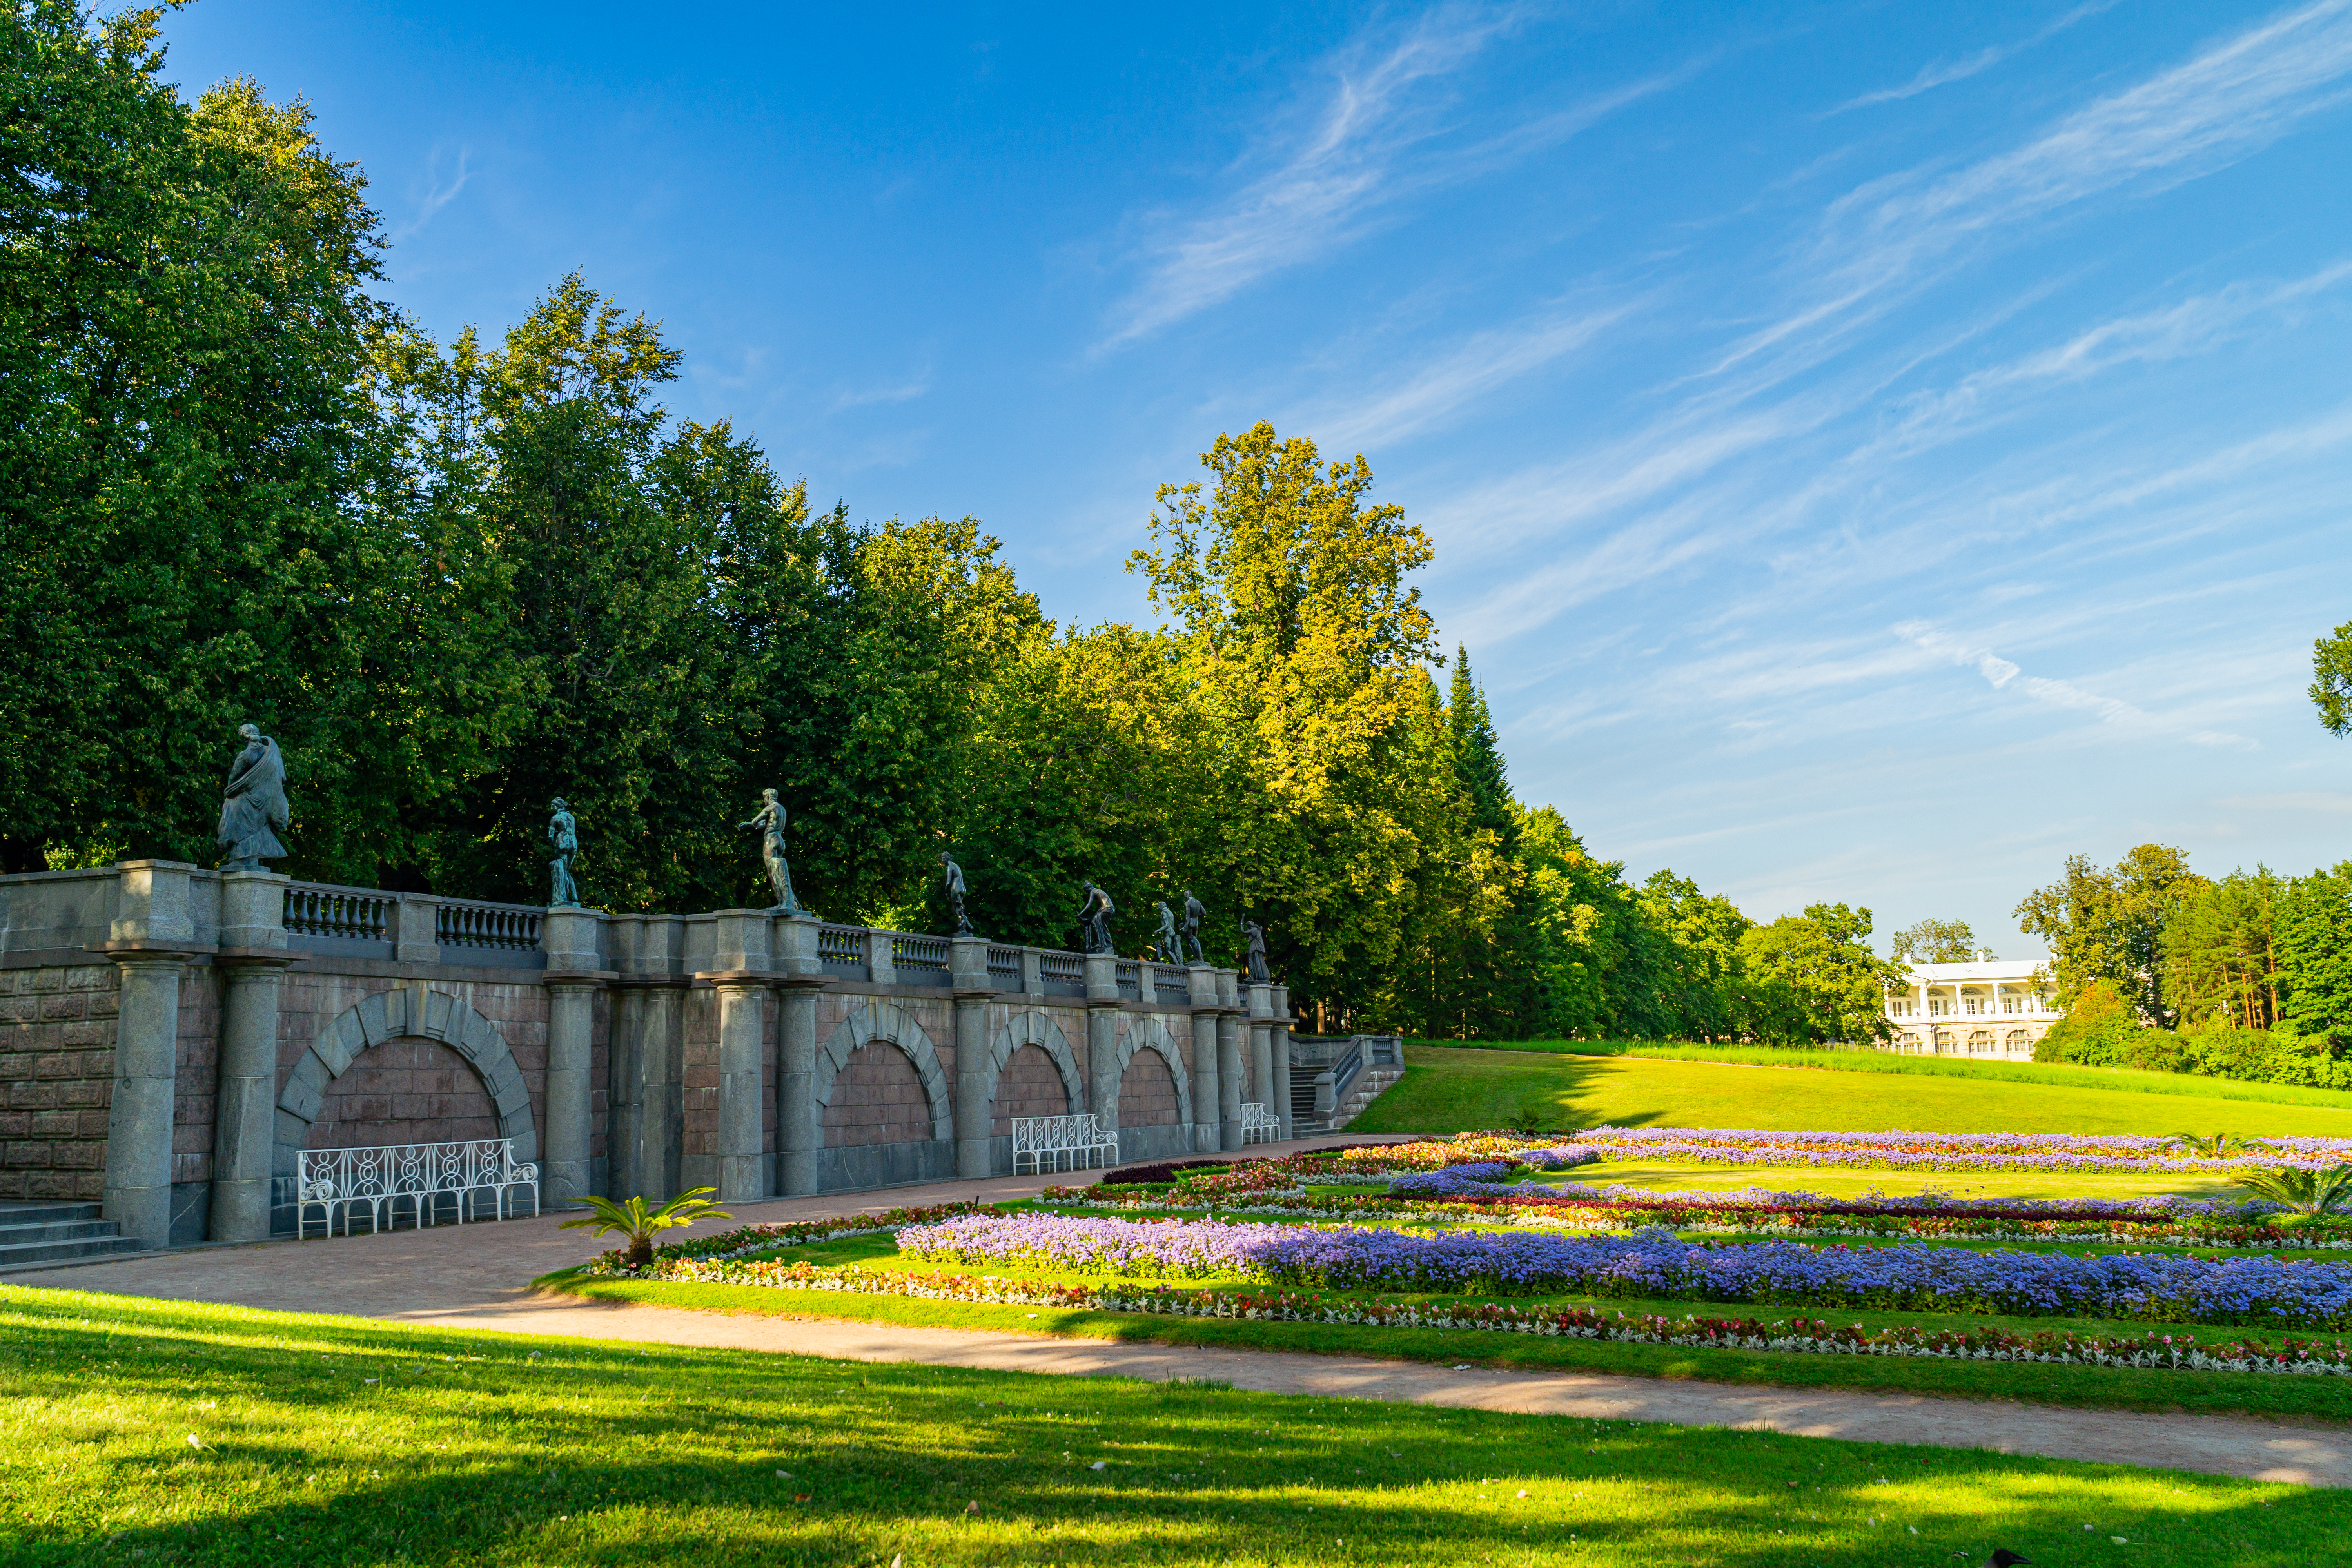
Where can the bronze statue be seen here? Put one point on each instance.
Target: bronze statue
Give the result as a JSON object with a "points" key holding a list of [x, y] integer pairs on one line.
{"points": [[770, 821], [1164, 944], [1194, 915], [1253, 934], [951, 875], [1093, 919], [254, 803], [563, 833]]}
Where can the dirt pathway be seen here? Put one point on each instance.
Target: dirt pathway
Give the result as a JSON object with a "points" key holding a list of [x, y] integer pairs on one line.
{"points": [[474, 1277]]}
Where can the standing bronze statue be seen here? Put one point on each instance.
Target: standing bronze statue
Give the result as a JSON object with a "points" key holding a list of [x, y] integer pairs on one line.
{"points": [[951, 876], [253, 804], [1093, 919], [1254, 935], [770, 821], [1194, 915], [563, 837], [1164, 944]]}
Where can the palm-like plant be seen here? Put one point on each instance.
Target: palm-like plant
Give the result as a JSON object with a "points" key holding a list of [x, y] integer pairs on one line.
{"points": [[2213, 1146], [641, 1224], [2310, 1192]]}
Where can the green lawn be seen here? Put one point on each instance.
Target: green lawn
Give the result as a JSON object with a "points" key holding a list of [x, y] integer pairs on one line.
{"points": [[1845, 1182], [338, 1441], [1446, 1089]]}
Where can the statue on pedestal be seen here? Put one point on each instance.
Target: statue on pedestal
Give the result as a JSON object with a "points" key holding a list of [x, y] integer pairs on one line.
{"points": [[1093, 919], [253, 804], [1164, 944], [951, 876], [564, 834], [1194, 915], [770, 822], [1254, 936]]}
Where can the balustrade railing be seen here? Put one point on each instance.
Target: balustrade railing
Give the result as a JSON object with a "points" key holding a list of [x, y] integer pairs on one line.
{"points": [[1005, 968], [505, 928], [918, 952], [1170, 983], [338, 914], [842, 948], [1061, 973], [1062, 1143], [1130, 974], [380, 1179]]}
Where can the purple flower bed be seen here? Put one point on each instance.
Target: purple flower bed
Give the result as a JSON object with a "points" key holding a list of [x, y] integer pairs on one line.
{"points": [[1484, 1178], [1949, 1151], [2161, 1288]]}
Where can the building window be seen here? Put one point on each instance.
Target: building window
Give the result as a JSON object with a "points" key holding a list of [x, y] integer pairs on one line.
{"points": [[2019, 1039], [1943, 1038], [1910, 1041], [1980, 1040]]}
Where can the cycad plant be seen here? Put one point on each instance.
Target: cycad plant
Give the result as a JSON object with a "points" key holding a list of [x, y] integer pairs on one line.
{"points": [[640, 1225], [2213, 1146], [2310, 1192]]}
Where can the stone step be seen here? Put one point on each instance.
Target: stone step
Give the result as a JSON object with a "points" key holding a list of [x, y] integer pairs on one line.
{"points": [[1370, 1085], [17, 1212], [14, 1234], [40, 1253]]}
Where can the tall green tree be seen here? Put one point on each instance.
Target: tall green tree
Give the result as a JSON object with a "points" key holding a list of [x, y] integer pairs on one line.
{"points": [[1933, 941], [2108, 924], [1812, 976]]}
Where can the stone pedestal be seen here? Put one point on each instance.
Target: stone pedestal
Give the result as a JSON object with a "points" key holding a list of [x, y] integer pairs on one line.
{"points": [[968, 979], [742, 1141], [801, 975], [138, 1193], [1102, 1039], [566, 1169], [1229, 1080], [252, 961], [1206, 1110], [1278, 1054]]}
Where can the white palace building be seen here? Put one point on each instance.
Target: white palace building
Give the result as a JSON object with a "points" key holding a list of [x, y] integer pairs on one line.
{"points": [[1991, 1008]]}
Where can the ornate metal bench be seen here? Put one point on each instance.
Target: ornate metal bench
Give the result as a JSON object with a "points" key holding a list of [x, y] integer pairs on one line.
{"points": [[1062, 1143], [339, 1181], [1260, 1125]]}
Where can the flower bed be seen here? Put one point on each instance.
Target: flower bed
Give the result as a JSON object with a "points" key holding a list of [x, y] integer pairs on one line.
{"points": [[2157, 1286], [1949, 1151], [745, 1240], [2152, 1351]]}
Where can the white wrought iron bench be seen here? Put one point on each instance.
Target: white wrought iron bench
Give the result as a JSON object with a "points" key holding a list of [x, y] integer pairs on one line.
{"points": [[380, 1179], [1062, 1143], [1260, 1125]]}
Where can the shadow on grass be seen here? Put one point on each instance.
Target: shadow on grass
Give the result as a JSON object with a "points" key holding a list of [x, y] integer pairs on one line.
{"points": [[595, 1453]]}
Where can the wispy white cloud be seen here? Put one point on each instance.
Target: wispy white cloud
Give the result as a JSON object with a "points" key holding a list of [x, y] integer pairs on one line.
{"points": [[2332, 802], [434, 194], [2001, 674], [905, 391], [1429, 394], [1941, 73], [1388, 105]]}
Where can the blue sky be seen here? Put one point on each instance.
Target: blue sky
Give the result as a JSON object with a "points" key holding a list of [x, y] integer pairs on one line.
{"points": [[1873, 451]]}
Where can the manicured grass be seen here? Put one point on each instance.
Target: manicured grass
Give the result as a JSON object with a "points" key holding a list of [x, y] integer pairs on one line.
{"points": [[336, 1441], [1842, 1182], [1861, 1059], [1447, 1089], [2299, 1399]]}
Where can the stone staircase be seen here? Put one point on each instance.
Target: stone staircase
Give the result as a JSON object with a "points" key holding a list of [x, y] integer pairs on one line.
{"points": [[1370, 1083], [43, 1234]]}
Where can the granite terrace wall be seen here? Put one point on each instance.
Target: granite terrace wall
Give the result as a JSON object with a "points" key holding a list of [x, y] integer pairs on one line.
{"points": [[172, 1039]]}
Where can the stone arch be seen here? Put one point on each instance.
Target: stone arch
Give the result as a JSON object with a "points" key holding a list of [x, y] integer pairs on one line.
{"points": [[1033, 1026], [1149, 1031], [392, 1016], [873, 1021]]}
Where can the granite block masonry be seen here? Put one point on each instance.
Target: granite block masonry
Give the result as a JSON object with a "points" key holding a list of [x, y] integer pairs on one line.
{"points": [[172, 1039]]}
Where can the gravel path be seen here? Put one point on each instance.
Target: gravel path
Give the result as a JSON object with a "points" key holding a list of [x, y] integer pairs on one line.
{"points": [[474, 1277]]}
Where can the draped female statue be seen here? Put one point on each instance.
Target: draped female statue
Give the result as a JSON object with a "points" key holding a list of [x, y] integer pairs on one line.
{"points": [[253, 804]]}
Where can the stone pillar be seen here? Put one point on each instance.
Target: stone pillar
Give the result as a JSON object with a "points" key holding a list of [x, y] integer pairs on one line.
{"points": [[252, 960], [801, 976], [1102, 1038], [151, 941], [1262, 1089], [568, 937], [624, 1077], [742, 1142], [661, 1123], [1205, 1111], [1229, 1062], [968, 975], [1279, 1054]]}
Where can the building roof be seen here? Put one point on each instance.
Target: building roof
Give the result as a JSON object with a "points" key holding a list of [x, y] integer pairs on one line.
{"points": [[2020, 969]]}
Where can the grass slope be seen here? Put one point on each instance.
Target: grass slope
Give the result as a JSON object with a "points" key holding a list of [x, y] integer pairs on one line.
{"points": [[335, 1441], [1448, 1089], [2059, 1074]]}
